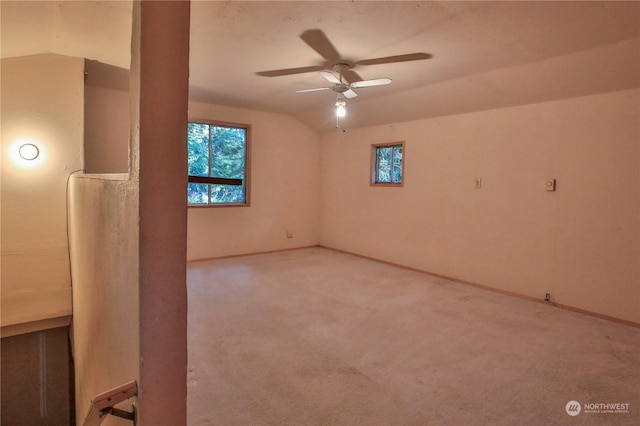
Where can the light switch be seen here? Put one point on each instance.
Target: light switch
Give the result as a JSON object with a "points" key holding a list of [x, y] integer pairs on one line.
{"points": [[551, 185], [478, 183]]}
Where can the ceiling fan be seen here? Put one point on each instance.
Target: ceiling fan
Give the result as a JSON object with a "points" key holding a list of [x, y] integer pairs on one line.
{"points": [[341, 87], [318, 41], [347, 79]]}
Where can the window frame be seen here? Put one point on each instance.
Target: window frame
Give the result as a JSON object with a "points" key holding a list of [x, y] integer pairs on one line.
{"points": [[374, 171], [226, 181]]}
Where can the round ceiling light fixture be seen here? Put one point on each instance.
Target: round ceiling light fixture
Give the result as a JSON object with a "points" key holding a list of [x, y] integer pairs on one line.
{"points": [[28, 151]]}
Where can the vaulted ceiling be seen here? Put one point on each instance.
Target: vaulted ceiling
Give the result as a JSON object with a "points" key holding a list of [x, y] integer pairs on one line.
{"points": [[483, 55]]}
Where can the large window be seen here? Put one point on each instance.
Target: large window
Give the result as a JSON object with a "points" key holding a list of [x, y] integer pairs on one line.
{"points": [[218, 156], [387, 164]]}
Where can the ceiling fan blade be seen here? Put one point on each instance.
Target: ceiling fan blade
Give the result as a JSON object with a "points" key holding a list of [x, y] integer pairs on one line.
{"points": [[397, 58], [313, 90], [319, 42], [330, 77], [369, 83], [349, 94], [290, 71]]}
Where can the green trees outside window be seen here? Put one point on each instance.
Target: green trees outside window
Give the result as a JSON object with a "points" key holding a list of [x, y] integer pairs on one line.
{"points": [[217, 164]]}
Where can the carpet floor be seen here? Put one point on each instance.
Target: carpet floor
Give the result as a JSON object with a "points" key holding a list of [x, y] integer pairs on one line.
{"points": [[317, 337]]}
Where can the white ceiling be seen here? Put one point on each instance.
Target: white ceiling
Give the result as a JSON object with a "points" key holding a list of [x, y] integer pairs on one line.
{"points": [[484, 54]]}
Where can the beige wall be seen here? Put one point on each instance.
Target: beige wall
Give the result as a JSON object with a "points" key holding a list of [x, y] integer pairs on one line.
{"points": [[41, 102], [106, 133], [580, 243], [104, 249], [285, 182]]}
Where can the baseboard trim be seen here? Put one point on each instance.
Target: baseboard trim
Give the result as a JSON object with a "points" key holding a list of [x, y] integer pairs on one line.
{"points": [[493, 289], [230, 256]]}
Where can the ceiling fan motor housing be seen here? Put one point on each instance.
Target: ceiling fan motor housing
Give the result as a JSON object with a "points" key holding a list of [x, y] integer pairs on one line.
{"points": [[340, 67], [340, 88]]}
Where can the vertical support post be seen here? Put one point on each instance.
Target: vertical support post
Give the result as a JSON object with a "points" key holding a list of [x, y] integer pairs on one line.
{"points": [[160, 86]]}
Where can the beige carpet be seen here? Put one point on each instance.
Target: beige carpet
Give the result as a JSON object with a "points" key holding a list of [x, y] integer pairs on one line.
{"points": [[316, 337]]}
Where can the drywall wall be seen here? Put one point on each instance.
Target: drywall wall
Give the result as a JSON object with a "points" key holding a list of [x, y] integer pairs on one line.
{"points": [[107, 121], [106, 133], [580, 243], [284, 185], [42, 101], [104, 251]]}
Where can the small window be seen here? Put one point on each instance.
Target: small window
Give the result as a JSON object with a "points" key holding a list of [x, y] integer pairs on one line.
{"points": [[218, 164], [387, 164]]}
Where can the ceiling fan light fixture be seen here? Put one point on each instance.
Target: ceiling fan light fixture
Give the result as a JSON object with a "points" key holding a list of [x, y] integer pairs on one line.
{"points": [[341, 108]]}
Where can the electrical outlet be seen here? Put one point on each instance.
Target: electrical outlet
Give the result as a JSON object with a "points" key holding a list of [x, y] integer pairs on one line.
{"points": [[289, 234]]}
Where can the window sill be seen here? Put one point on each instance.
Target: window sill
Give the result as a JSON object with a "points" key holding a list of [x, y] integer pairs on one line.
{"points": [[392, 185], [206, 206]]}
